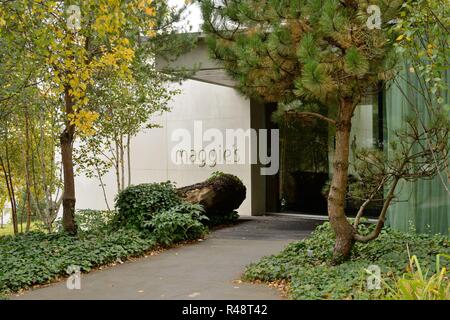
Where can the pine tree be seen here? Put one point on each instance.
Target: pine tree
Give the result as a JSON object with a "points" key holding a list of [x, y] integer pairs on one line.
{"points": [[322, 52]]}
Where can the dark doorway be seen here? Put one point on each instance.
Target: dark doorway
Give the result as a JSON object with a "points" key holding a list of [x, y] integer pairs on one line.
{"points": [[306, 148], [303, 166], [298, 187]]}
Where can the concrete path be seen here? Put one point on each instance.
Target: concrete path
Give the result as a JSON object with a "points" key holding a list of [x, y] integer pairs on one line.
{"points": [[204, 270]]}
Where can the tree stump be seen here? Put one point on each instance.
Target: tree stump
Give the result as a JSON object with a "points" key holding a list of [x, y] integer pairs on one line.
{"points": [[219, 195]]}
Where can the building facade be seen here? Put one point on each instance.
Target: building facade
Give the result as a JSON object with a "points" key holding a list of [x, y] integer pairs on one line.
{"points": [[208, 100]]}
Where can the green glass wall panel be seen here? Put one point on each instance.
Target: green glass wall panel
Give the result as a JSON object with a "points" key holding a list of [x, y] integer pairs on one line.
{"points": [[423, 204]]}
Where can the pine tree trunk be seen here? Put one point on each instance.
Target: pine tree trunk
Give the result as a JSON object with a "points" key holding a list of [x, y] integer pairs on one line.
{"points": [[336, 199], [66, 140]]}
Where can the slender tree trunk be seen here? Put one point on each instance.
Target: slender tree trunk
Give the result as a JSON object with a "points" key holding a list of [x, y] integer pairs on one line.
{"points": [[9, 184], [117, 164], [36, 189], [66, 140], [22, 210], [11, 195], [27, 168], [2, 205], [50, 211], [105, 197], [343, 230], [122, 162], [129, 158]]}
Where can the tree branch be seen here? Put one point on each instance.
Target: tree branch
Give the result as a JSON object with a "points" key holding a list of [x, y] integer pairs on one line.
{"points": [[302, 114], [375, 233], [366, 203]]}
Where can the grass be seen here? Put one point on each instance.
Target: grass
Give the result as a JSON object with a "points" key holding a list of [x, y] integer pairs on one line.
{"points": [[305, 266], [8, 230]]}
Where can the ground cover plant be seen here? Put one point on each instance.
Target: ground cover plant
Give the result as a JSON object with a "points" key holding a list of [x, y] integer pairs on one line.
{"points": [[305, 264], [147, 216], [37, 258]]}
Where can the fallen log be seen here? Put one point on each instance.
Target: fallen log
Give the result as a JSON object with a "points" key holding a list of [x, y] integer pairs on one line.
{"points": [[219, 195]]}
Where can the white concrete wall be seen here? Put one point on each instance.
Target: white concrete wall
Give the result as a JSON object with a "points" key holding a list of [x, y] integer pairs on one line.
{"points": [[362, 127], [6, 213], [217, 106], [361, 135]]}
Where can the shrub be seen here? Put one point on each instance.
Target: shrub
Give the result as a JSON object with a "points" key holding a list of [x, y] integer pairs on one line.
{"points": [[305, 264], [182, 222], [136, 205], [224, 219], [93, 220]]}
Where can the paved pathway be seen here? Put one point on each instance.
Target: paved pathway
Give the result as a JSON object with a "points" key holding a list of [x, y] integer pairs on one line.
{"points": [[204, 270]]}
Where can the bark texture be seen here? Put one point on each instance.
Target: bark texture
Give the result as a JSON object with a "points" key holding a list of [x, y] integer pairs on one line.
{"points": [[343, 230], [219, 195], [66, 141]]}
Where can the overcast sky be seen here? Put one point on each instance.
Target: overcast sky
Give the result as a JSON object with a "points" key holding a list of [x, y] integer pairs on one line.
{"points": [[194, 18]]}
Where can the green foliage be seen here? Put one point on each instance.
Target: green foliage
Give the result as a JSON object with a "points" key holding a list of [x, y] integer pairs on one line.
{"points": [[317, 51], [223, 212], [37, 258], [219, 174], [417, 285], [216, 174], [105, 237], [94, 220], [158, 211], [8, 229], [355, 62], [98, 79], [223, 219], [136, 205], [306, 263], [179, 223], [423, 42], [307, 51]]}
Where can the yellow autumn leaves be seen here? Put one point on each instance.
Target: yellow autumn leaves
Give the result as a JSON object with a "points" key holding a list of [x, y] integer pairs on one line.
{"points": [[120, 54], [73, 64], [148, 7], [84, 121], [429, 49], [2, 17]]}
